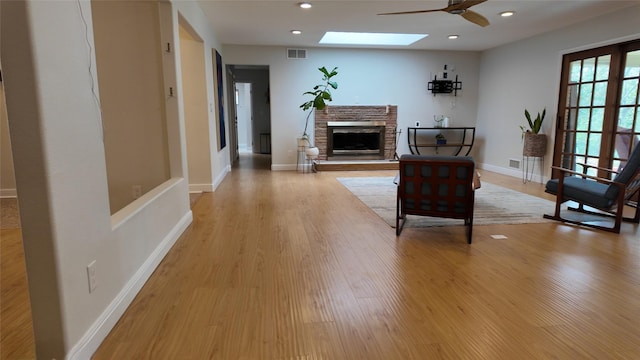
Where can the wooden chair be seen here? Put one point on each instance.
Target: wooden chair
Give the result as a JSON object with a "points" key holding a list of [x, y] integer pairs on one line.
{"points": [[609, 196], [438, 186]]}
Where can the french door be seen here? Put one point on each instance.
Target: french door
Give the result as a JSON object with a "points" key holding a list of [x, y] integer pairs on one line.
{"points": [[598, 112]]}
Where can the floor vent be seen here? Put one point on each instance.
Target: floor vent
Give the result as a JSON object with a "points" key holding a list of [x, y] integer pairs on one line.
{"points": [[514, 163], [296, 54]]}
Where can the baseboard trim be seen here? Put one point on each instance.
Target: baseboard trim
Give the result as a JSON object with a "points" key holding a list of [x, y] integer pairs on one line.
{"points": [[94, 336], [195, 188], [511, 172], [221, 177], [8, 193]]}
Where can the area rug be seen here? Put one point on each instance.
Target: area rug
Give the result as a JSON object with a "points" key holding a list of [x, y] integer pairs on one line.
{"points": [[493, 204]]}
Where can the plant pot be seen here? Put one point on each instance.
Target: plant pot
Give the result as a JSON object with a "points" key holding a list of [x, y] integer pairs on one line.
{"points": [[312, 152], [535, 145], [303, 142]]}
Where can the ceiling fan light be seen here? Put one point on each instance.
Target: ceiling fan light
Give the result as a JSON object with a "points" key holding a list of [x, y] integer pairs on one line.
{"points": [[453, 36], [305, 5], [507, 13]]}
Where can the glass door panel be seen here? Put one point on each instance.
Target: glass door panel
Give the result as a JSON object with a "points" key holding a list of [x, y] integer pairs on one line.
{"points": [[599, 113], [584, 103], [628, 126]]}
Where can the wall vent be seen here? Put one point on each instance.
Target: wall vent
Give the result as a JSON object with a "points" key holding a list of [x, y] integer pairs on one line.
{"points": [[296, 54], [513, 163]]}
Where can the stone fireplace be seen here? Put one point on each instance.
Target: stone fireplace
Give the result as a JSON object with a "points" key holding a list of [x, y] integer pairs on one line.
{"points": [[356, 132]]}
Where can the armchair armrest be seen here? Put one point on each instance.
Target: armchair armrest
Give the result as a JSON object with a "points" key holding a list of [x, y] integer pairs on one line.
{"points": [[572, 172], [597, 168]]}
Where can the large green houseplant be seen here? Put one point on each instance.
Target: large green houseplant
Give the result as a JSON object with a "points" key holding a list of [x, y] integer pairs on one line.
{"points": [[321, 95]]}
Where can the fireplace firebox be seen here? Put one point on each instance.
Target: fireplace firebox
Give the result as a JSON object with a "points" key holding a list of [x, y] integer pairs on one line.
{"points": [[353, 140]]}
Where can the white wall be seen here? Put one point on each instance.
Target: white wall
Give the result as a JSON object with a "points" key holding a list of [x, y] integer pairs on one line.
{"points": [[56, 132], [526, 74], [366, 77]]}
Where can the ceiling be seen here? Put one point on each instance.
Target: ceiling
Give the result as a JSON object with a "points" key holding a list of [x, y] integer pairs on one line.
{"points": [[268, 22]]}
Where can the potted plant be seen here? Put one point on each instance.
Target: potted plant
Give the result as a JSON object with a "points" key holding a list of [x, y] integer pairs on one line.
{"points": [[535, 144], [321, 95], [440, 139]]}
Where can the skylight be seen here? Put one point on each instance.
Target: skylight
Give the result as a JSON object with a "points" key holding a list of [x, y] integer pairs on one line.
{"points": [[356, 38]]}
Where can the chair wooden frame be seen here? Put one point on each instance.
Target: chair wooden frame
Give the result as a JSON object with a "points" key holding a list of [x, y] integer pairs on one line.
{"points": [[625, 191], [437, 186]]}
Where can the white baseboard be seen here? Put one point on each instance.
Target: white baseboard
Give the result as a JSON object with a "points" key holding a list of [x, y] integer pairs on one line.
{"points": [[94, 336], [221, 177], [517, 173], [8, 193], [198, 188]]}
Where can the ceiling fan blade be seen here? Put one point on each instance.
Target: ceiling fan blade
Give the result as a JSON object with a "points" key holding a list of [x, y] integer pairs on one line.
{"points": [[475, 18], [465, 5], [412, 12]]}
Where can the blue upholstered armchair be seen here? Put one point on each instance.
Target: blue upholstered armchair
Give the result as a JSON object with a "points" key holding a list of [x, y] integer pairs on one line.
{"points": [[609, 196]]}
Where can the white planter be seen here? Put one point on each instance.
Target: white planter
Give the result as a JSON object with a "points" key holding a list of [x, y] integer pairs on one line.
{"points": [[312, 152]]}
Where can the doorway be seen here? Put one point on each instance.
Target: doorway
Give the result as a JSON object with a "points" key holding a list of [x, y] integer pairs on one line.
{"points": [[244, 117], [196, 109], [251, 109]]}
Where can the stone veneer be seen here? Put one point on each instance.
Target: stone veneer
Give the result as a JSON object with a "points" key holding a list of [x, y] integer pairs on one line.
{"points": [[357, 113]]}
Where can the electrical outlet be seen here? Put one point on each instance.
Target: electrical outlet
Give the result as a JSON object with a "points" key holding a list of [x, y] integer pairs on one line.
{"points": [[136, 191], [91, 275]]}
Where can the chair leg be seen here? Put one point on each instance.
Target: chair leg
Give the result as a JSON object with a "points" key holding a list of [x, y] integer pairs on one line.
{"points": [[618, 214], [615, 229], [400, 217]]}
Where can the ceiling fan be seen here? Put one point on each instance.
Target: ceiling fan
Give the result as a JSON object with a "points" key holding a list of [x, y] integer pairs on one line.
{"points": [[455, 7]]}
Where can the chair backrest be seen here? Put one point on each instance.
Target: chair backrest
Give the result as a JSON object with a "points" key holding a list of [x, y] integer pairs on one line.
{"points": [[625, 141], [630, 175], [436, 185]]}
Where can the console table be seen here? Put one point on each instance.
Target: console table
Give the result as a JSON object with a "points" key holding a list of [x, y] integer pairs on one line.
{"points": [[461, 138]]}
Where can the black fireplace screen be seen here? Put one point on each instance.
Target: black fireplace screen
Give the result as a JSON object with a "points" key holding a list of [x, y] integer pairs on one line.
{"points": [[355, 140]]}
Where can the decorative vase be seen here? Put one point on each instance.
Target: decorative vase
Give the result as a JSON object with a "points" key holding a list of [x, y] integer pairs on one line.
{"points": [[535, 145], [312, 152]]}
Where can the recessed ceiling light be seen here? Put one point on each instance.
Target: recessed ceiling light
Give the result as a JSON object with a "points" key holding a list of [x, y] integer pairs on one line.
{"points": [[453, 36], [305, 5], [296, 32], [356, 38], [507, 13]]}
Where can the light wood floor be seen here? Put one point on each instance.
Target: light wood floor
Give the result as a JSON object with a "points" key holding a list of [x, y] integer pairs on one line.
{"points": [[284, 265], [16, 331]]}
